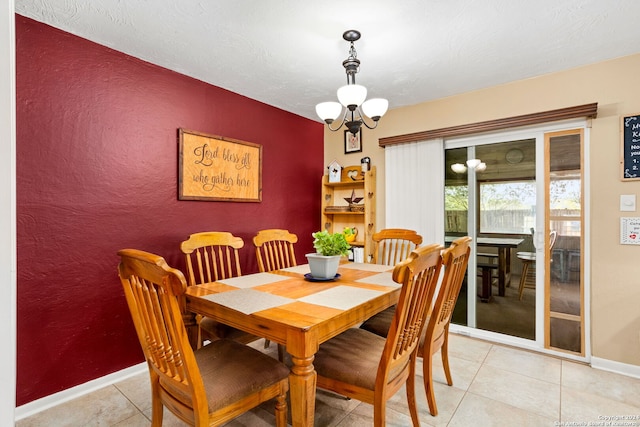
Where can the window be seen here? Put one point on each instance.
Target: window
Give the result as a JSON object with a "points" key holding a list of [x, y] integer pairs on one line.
{"points": [[507, 207]]}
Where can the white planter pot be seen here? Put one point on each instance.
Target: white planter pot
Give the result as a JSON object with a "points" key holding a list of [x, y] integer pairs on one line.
{"points": [[323, 267]]}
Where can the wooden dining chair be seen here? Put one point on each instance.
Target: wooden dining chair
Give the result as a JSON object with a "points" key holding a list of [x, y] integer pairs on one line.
{"points": [[205, 387], [362, 365], [528, 259], [212, 256], [436, 335], [274, 251], [392, 245]]}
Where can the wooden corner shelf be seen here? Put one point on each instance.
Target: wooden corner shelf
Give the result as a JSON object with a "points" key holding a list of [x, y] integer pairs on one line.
{"points": [[334, 193]]}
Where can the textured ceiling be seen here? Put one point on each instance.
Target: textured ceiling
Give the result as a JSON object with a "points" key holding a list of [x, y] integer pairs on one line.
{"points": [[289, 53]]}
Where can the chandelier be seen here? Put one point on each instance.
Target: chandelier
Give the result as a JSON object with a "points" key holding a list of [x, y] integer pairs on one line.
{"points": [[352, 96], [475, 164]]}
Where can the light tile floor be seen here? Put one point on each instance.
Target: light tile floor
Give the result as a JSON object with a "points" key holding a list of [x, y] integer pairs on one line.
{"points": [[493, 385]]}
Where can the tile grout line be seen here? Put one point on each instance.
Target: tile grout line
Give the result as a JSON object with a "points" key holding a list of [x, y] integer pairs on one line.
{"points": [[484, 359], [140, 411], [560, 392]]}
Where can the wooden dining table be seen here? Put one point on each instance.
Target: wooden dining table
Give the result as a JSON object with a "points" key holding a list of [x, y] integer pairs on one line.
{"points": [[285, 307], [504, 246]]}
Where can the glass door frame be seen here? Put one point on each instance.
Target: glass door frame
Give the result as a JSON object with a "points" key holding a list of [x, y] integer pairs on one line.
{"points": [[549, 313], [536, 132]]}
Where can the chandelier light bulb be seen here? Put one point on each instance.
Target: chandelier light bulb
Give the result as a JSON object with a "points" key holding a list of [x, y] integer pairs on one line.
{"points": [[458, 168], [352, 95], [473, 163], [328, 111], [375, 108]]}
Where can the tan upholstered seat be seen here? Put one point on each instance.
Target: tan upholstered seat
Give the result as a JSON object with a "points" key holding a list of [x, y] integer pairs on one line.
{"points": [[436, 334], [205, 387], [367, 367], [212, 256], [274, 251]]}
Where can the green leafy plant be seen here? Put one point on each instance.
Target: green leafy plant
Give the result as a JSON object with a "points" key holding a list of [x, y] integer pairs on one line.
{"points": [[330, 244]]}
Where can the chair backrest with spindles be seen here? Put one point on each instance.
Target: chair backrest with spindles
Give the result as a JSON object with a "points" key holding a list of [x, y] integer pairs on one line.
{"points": [[275, 249], [418, 274], [152, 288], [212, 256], [454, 261], [393, 245]]}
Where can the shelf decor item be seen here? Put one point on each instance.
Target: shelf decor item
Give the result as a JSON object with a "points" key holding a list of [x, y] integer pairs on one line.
{"points": [[335, 171], [350, 234], [353, 202], [329, 249]]}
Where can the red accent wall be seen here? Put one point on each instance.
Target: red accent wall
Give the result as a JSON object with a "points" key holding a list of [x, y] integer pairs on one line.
{"points": [[97, 171]]}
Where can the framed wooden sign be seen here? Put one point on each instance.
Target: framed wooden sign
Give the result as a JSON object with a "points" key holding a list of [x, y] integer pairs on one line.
{"points": [[216, 168], [630, 150]]}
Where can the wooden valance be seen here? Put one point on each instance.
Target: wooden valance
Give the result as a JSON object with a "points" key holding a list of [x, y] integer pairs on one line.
{"points": [[586, 110]]}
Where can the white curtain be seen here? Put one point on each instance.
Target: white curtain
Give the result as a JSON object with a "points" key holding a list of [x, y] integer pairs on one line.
{"points": [[414, 188]]}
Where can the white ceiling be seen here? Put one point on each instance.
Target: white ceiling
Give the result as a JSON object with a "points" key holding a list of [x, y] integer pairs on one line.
{"points": [[289, 53]]}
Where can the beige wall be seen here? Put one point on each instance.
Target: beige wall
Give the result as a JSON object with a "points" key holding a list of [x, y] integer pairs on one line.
{"points": [[615, 279]]}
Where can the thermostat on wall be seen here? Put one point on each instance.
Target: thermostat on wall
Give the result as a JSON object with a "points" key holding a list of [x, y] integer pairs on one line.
{"points": [[630, 231]]}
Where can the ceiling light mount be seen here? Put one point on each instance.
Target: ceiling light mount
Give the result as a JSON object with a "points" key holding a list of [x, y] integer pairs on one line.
{"points": [[352, 96]]}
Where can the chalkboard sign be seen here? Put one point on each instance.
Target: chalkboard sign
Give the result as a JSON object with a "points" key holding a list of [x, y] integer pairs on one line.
{"points": [[630, 129]]}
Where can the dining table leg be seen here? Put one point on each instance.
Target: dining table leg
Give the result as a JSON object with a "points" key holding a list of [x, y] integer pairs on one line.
{"points": [[302, 391], [507, 267], [191, 325], [502, 270]]}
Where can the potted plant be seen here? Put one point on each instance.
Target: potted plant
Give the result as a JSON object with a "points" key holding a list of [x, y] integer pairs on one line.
{"points": [[329, 249]]}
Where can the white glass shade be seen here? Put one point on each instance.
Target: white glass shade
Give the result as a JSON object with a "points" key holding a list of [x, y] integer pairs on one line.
{"points": [[473, 163], [375, 107], [352, 95], [458, 168], [481, 167], [328, 110]]}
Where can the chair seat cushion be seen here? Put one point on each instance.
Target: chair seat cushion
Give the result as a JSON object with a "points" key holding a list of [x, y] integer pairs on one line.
{"points": [[351, 357], [231, 371], [380, 323]]}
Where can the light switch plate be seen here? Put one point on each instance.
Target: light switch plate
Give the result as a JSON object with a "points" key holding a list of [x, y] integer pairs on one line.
{"points": [[627, 202]]}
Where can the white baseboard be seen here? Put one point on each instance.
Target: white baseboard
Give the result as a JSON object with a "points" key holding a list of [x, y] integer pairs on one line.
{"points": [[616, 367], [55, 399]]}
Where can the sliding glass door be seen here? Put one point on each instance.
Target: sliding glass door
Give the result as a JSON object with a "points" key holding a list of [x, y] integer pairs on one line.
{"points": [[496, 204], [519, 195]]}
